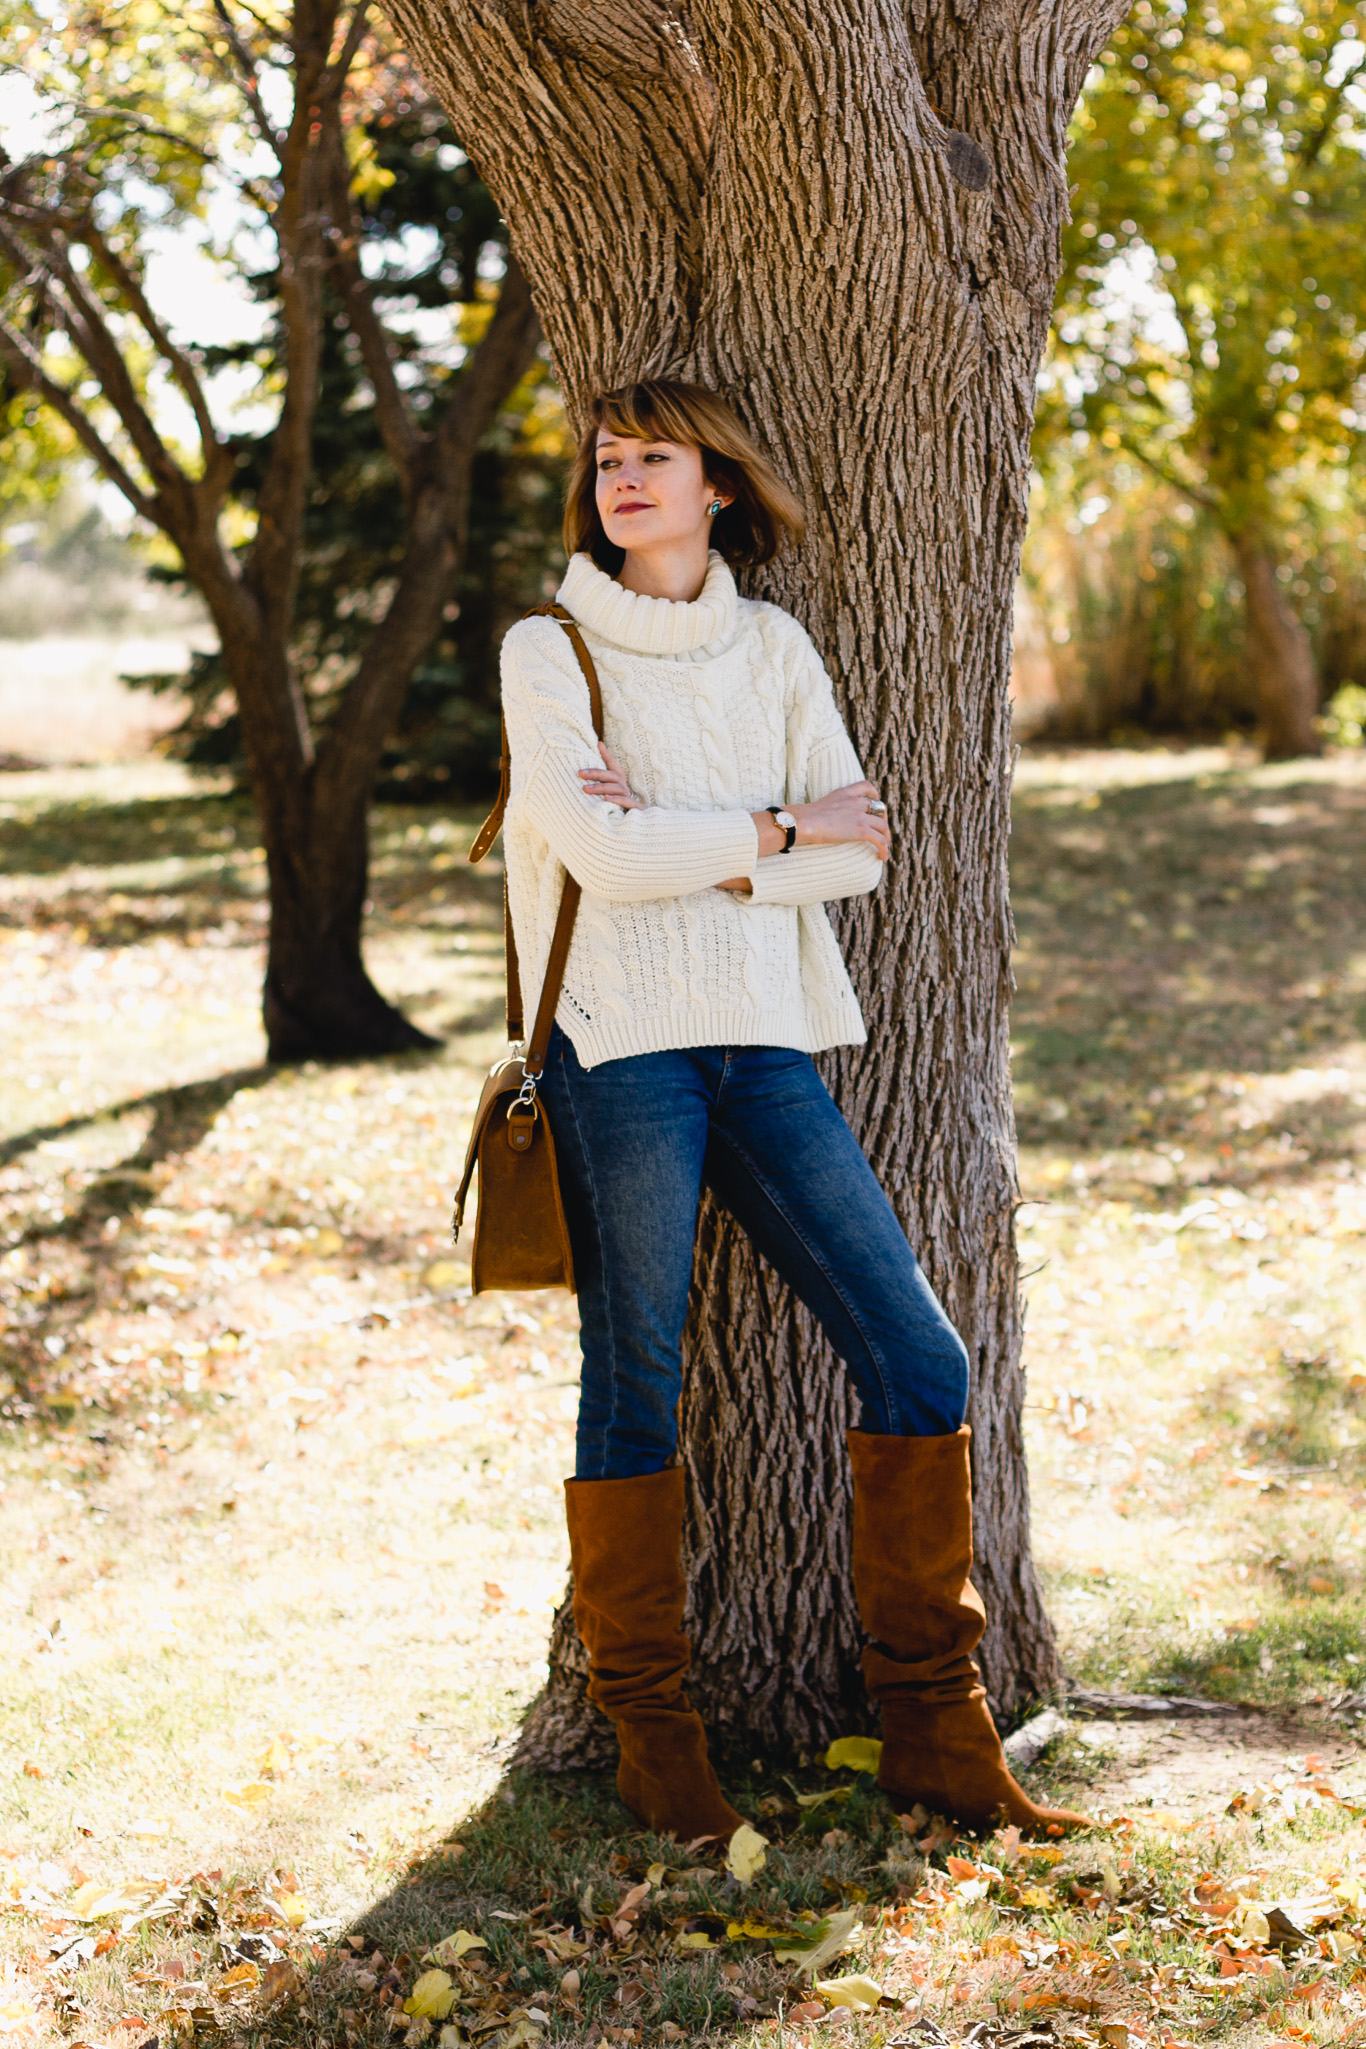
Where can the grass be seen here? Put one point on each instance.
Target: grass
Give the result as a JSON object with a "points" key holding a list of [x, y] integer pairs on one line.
{"points": [[279, 1502]]}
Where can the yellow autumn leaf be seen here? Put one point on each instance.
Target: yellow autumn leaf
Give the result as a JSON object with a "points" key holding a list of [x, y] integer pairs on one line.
{"points": [[276, 1758], [93, 1900], [1255, 1926], [699, 1940], [754, 1931], [432, 1997], [523, 2036], [824, 1943], [655, 1873], [862, 1994], [292, 1907], [451, 1948], [237, 1979], [854, 1754], [149, 1828], [1038, 1896], [820, 1799], [747, 1853], [248, 1799]]}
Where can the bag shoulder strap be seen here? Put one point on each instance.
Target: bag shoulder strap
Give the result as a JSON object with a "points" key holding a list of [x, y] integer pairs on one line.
{"points": [[569, 902]]}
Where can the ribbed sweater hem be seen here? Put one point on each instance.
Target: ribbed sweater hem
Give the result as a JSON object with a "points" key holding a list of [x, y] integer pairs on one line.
{"points": [[836, 1024]]}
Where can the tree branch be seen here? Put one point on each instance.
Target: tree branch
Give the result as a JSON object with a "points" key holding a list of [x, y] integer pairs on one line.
{"points": [[493, 370], [84, 316], [1173, 478], [247, 80], [30, 375], [402, 436], [1309, 152], [182, 369], [273, 562], [346, 56]]}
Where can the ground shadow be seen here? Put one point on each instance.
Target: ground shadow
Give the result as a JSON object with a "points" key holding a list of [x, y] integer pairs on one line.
{"points": [[1180, 929]]}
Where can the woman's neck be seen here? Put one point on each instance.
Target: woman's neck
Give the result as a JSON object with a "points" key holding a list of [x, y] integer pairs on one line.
{"points": [[677, 573]]}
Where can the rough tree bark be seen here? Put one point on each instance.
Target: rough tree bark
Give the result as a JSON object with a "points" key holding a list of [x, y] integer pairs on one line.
{"points": [[845, 216], [1280, 655], [312, 786]]}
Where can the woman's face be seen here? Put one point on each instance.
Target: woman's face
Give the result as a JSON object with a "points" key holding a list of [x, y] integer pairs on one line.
{"points": [[652, 494]]}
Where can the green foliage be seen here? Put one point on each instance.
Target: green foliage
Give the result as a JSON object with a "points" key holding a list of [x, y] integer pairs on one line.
{"points": [[1206, 372], [1219, 161]]}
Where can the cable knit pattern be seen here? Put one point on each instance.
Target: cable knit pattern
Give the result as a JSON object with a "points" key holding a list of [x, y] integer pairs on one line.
{"points": [[714, 709]]}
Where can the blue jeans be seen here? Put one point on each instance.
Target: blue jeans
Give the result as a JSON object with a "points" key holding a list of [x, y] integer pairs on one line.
{"points": [[636, 1141]]}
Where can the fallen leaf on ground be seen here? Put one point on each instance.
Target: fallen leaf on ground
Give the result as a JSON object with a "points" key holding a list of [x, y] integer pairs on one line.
{"points": [[292, 1908], [248, 1799], [93, 1900], [432, 1997], [699, 1939], [862, 1994], [452, 1947], [747, 1853], [854, 1753], [238, 1979], [828, 1938], [280, 1979]]}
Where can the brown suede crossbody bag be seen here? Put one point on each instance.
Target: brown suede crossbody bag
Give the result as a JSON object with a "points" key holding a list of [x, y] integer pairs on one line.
{"points": [[520, 1237]]}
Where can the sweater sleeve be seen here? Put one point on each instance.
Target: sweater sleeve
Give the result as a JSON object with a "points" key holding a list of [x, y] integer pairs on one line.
{"points": [[622, 856], [820, 758]]}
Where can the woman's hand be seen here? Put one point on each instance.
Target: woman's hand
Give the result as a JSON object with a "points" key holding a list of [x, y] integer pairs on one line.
{"points": [[610, 782], [846, 814]]}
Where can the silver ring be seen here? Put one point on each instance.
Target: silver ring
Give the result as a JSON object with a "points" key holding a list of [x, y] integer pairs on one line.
{"points": [[878, 808]]}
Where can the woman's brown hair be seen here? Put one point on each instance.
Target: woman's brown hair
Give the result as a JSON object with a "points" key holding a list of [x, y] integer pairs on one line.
{"points": [[763, 514]]}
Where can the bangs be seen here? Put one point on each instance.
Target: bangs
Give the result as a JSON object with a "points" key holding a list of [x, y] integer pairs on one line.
{"points": [[641, 412]]}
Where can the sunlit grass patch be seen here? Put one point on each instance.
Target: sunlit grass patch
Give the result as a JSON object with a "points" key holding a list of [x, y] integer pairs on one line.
{"points": [[276, 1488]]}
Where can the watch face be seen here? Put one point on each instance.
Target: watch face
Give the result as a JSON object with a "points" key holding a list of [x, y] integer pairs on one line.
{"points": [[785, 820]]}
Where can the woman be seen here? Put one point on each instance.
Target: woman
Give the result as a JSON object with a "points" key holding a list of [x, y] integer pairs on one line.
{"points": [[724, 807]]}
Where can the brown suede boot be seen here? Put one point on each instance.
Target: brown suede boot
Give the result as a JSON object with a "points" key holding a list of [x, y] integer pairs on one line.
{"points": [[624, 1542], [912, 1558]]}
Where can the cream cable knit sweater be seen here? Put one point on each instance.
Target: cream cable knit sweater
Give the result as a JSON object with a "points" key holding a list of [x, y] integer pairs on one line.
{"points": [[714, 709]]}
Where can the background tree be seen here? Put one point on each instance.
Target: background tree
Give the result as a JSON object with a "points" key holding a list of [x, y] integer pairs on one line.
{"points": [[161, 116], [846, 218], [1210, 312], [431, 232]]}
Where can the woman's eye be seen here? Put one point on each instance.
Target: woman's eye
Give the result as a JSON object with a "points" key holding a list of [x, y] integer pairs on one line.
{"points": [[656, 455]]}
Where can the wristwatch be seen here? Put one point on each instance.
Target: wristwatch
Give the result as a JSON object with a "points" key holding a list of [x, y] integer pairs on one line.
{"points": [[788, 824]]}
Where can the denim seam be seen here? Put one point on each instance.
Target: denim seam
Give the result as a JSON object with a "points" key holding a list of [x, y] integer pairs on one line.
{"points": [[889, 1403], [605, 1433]]}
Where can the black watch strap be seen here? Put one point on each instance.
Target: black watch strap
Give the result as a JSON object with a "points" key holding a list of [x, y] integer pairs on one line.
{"points": [[789, 832]]}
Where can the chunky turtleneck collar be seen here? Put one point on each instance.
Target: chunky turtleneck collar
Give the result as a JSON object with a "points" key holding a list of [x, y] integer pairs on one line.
{"points": [[656, 626]]}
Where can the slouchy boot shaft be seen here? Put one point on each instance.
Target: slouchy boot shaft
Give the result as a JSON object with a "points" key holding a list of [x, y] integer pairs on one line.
{"points": [[625, 1541], [912, 1577]]}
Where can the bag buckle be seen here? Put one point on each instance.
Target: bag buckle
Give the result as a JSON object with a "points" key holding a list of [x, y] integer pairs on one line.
{"points": [[526, 1094]]}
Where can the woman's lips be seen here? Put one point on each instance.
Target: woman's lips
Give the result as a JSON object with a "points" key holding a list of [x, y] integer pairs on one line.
{"points": [[622, 509]]}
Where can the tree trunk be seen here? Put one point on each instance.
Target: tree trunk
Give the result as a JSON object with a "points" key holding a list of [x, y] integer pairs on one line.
{"points": [[1280, 654], [776, 187]]}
